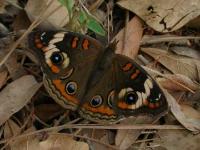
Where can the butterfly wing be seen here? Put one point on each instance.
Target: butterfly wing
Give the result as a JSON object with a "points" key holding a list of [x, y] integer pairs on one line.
{"points": [[137, 92], [67, 60]]}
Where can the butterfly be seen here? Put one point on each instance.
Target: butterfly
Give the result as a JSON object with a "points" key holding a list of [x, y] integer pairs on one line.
{"points": [[82, 74]]}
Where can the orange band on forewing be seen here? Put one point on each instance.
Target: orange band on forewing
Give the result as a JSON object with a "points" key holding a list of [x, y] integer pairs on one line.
{"points": [[55, 69], [101, 109], [85, 44], [39, 45], [75, 42], [61, 88], [127, 67], [135, 74]]}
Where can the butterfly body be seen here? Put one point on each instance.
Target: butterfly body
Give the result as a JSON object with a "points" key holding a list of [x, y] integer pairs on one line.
{"points": [[81, 74]]}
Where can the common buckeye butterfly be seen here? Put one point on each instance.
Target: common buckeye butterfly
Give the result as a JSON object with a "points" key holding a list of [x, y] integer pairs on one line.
{"points": [[82, 74]]}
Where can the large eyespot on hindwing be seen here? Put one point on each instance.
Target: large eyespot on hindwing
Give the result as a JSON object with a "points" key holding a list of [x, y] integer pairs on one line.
{"points": [[96, 101], [129, 99], [71, 88]]}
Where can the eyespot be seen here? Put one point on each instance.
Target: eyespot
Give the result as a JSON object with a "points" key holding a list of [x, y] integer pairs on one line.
{"points": [[123, 92], [71, 88], [111, 98], [57, 58], [96, 101], [131, 98]]}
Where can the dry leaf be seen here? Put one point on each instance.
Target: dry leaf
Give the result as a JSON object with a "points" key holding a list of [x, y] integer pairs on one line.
{"points": [[62, 142], [15, 69], [58, 19], [176, 64], [129, 45], [16, 95], [21, 22], [184, 80], [179, 115], [162, 15], [179, 140], [191, 114], [3, 78], [125, 138], [53, 142], [2, 6], [173, 39], [186, 51], [11, 129], [195, 23]]}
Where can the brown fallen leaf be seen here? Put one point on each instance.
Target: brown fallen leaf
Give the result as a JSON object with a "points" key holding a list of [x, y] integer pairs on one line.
{"points": [[186, 51], [173, 39], [179, 115], [184, 80], [195, 23], [162, 15], [53, 142], [2, 6], [57, 19], [21, 21], [16, 95], [192, 114], [176, 64], [125, 138], [62, 142], [129, 45], [15, 69], [178, 140], [3, 78], [11, 129]]}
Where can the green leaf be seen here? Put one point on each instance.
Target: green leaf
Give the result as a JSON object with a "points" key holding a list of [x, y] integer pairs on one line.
{"points": [[69, 4], [91, 23]]}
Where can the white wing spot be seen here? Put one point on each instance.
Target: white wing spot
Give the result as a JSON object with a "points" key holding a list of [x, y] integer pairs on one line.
{"points": [[150, 84], [55, 40], [41, 37]]}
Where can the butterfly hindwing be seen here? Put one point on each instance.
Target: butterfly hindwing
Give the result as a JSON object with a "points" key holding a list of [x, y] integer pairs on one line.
{"points": [[136, 91]]}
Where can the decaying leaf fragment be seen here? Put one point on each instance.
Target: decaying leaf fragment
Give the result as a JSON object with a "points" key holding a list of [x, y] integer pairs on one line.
{"points": [[16, 95], [54, 142], [162, 15], [175, 63]]}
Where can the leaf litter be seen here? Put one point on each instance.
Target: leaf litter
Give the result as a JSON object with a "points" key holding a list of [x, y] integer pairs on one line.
{"points": [[173, 58]]}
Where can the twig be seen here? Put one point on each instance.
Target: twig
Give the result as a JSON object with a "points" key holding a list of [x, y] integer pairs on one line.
{"points": [[159, 39], [96, 126]]}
